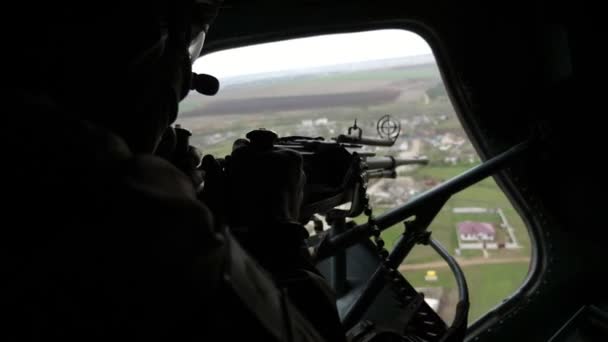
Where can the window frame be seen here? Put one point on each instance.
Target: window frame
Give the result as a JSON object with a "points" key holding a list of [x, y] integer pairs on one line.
{"points": [[457, 93]]}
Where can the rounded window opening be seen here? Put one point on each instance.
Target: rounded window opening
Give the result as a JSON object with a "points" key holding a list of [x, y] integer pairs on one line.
{"points": [[319, 86]]}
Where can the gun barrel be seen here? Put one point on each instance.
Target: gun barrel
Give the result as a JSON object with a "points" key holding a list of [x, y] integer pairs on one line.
{"points": [[389, 162], [364, 141], [382, 174]]}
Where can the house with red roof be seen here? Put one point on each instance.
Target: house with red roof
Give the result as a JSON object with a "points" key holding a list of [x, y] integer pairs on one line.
{"points": [[471, 231]]}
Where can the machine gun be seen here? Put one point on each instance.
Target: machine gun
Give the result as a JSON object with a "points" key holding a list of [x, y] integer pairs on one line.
{"points": [[337, 173], [338, 170]]}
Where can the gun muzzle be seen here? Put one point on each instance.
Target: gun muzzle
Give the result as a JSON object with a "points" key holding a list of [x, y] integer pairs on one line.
{"points": [[364, 141], [388, 162], [382, 174]]}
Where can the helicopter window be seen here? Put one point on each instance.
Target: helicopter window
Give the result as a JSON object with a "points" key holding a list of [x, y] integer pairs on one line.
{"points": [[318, 87]]}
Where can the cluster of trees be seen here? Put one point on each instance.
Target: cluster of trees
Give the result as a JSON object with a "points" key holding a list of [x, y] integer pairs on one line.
{"points": [[436, 91]]}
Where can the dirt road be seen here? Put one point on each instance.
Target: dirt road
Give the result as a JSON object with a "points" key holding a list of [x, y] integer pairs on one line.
{"points": [[464, 262]]}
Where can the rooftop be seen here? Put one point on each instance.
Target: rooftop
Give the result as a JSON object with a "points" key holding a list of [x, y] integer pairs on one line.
{"points": [[471, 227]]}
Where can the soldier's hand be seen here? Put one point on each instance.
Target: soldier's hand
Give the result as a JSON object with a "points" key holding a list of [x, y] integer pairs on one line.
{"points": [[214, 189], [175, 148]]}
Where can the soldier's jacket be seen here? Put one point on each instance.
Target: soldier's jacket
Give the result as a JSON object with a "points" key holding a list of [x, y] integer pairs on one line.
{"points": [[101, 244]]}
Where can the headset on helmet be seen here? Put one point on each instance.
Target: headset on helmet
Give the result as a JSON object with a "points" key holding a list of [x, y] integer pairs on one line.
{"points": [[199, 15], [202, 19], [184, 26]]}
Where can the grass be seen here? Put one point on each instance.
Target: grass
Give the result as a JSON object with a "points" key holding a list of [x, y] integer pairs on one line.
{"points": [[414, 72], [501, 234], [471, 253], [440, 173], [336, 79], [484, 194], [488, 284], [420, 254]]}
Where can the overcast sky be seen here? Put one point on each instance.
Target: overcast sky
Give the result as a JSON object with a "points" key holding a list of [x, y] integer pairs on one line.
{"points": [[312, 52]]}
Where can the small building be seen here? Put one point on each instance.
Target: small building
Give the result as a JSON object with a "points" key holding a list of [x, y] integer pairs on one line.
{"points": [[470, 231], [431, 275], [321, 122]]}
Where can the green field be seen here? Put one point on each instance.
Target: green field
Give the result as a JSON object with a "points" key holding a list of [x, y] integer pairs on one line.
{"points": [[405, 73], [488, 285], [335, 80], [484, 194]]}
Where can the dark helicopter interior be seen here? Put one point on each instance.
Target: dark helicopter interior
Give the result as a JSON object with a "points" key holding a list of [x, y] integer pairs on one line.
{"points": [[517, 94], [515, 75]]}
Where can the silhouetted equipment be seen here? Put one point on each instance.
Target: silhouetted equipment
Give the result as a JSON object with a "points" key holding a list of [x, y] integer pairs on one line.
{"points": [[262, 139], [389, 162], [205, 84], [363, 141], [182, 139], [337, 174], [388, 130]]}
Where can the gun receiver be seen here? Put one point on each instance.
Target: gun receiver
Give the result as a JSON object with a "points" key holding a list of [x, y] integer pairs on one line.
{"points": [[390, 163], [336, 172]]}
